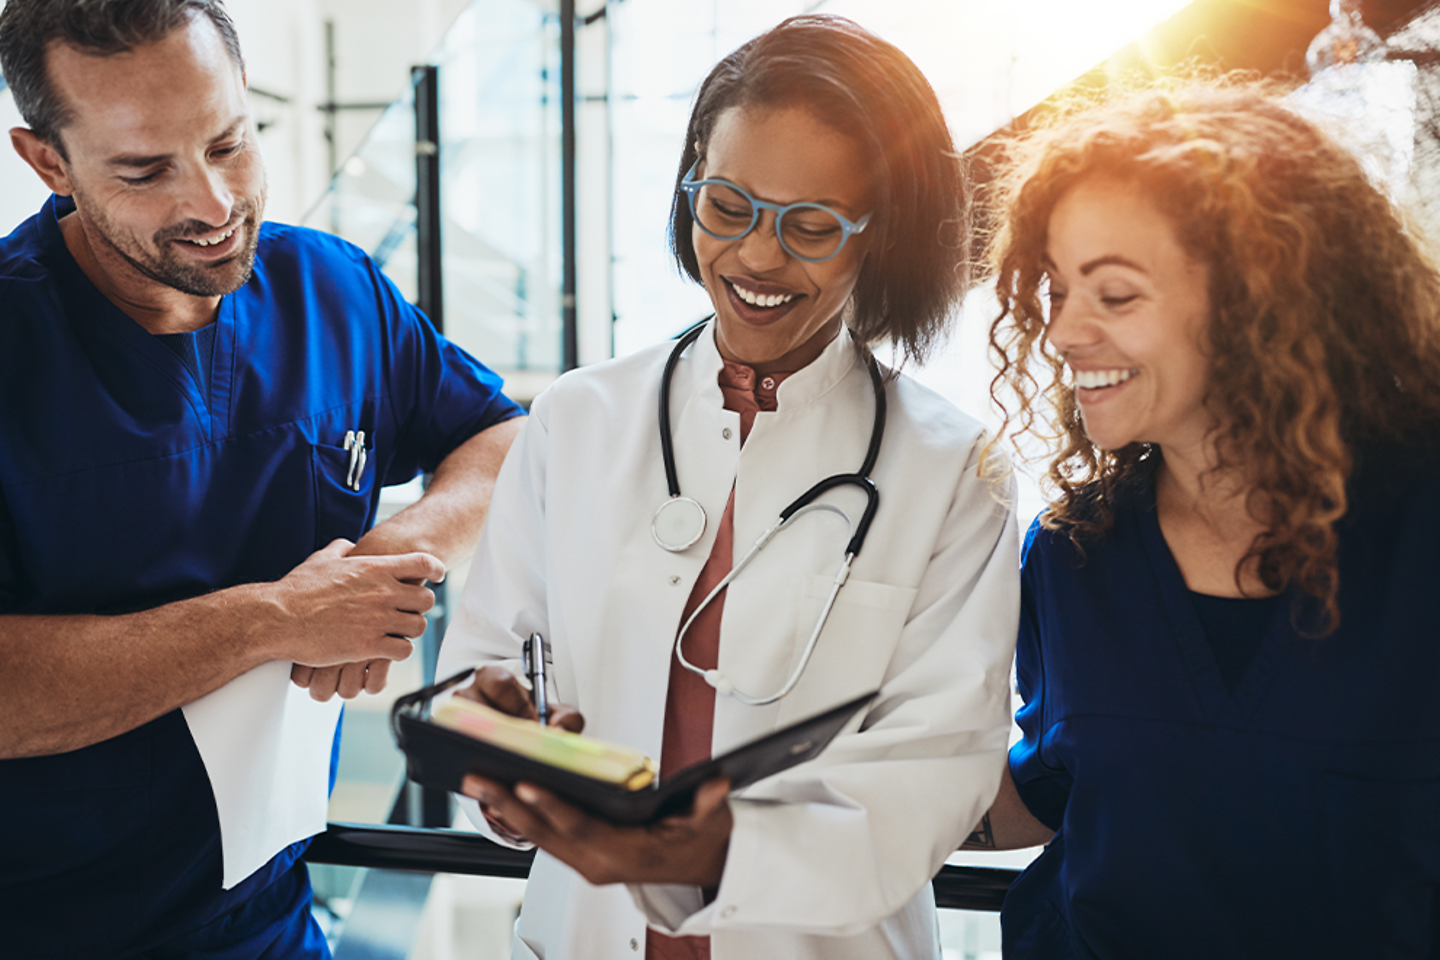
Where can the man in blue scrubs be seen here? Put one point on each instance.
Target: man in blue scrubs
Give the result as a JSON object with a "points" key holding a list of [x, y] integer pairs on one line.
{"points": [[197, 413]]}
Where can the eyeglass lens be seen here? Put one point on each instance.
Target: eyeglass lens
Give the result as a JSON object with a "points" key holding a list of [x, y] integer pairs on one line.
{"points": [[806, 231]]}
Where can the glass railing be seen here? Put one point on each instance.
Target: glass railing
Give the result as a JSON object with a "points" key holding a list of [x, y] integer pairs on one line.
{"points": [[499, 162]]}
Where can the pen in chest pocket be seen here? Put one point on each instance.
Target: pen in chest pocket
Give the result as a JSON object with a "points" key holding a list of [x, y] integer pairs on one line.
{"points": [[355, 443]]}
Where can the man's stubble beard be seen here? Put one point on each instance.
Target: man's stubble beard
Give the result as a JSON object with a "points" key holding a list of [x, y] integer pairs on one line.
{"points": [[167, 268]]}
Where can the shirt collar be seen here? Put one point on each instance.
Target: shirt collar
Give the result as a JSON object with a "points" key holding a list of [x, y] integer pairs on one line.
{"points": [[802, 387]]}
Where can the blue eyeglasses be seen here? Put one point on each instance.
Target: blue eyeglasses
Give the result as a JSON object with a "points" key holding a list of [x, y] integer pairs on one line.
{"points": [[807, 231]]}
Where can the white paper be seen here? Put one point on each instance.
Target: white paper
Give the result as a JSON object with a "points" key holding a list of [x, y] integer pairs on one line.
{"points": [[266, 747]]}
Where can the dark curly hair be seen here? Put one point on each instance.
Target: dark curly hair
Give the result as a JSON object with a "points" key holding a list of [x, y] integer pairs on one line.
{"points": [[1325, 313], [868, 90]]}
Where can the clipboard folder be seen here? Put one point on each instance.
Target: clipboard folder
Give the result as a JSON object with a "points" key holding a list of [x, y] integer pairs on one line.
{"points": [[441, 757]]}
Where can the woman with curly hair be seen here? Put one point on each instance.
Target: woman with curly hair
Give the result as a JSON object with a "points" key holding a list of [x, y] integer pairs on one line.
{"points": [[1227, 651]]}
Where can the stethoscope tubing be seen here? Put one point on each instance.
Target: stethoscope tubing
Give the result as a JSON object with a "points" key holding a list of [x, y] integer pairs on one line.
{"points": [[801, 505], [860, 478], [714, 677]]}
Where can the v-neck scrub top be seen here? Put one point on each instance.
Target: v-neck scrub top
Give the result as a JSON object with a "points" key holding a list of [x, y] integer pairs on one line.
{"points": [[1297, 816], [125, 484]]}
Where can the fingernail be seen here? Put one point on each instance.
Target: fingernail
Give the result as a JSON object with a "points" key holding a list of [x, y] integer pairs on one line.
{"points": [[527, 793]]}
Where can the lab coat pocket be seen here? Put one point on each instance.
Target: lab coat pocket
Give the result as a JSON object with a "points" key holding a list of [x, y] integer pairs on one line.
{"points": [[854, 651], [344, 484]]}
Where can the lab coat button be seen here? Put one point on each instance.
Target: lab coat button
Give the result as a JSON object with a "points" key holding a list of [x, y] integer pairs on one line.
{"points": [[674, 581], [725, 433], [634, 944], [727, 913]]}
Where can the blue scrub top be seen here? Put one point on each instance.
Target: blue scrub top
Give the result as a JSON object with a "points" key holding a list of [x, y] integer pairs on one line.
{"points": [[125, 483], [1297, 816]]}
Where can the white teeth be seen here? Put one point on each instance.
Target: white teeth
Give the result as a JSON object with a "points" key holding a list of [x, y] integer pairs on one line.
{"points": [[1094, 379], [762, 299], [210, 243]]}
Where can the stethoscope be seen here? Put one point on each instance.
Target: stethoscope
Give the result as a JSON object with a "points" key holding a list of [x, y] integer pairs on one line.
{"points": [[680, 522]]}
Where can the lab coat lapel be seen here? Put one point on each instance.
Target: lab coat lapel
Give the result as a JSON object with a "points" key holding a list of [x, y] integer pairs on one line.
{"points": [[821, 427], [647, 585]]}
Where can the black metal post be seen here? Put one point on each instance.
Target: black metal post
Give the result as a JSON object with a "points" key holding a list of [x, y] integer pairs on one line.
{"points": [[434, 806], [431, 298], [570, 343]]}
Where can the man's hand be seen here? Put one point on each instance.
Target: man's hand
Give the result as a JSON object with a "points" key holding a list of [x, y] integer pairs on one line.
{"points": [[689, 849], [443, 523], [349, 680], [341, 614]]}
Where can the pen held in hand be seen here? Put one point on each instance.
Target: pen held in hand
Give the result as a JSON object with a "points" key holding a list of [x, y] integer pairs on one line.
{"points": [[535, 673]]}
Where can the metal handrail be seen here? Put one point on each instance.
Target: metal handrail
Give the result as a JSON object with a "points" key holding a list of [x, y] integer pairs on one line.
{"points": [[454, 851]]}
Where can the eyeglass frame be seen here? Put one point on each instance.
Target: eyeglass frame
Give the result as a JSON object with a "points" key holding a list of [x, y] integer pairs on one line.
{"points": [[690, 187]]}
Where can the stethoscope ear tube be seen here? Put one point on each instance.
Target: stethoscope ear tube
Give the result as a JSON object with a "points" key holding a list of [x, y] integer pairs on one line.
{"points": [[667, 446], [872, 503]]}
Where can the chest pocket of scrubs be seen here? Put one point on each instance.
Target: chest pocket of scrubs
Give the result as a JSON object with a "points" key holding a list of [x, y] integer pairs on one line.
{"points": [[342, 510], [1384, 843], [855, 648]]}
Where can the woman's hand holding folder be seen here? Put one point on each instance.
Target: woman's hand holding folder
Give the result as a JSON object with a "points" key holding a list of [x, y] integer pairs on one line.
{"points": [[689, 848], [498, 688]]}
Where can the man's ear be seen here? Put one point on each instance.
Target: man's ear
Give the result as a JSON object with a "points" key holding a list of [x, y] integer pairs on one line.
{"points": [[44, 159]]}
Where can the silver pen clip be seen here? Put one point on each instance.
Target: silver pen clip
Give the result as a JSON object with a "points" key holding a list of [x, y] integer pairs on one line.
{"points": [[355, 444]]}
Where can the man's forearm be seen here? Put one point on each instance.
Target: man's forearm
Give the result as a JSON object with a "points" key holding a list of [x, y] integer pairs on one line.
{"points": [[445, 522], [69, 681]]}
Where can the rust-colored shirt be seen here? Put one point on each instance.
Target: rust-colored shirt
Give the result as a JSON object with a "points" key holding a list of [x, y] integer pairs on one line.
{"points": [[690, 701]]}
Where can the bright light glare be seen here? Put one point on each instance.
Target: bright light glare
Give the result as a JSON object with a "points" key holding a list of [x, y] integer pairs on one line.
{"points": [[1056, 41], [990, 61]]}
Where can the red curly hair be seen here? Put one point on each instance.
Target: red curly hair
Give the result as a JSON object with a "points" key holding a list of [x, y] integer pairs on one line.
{"points": [[1325, 312]]}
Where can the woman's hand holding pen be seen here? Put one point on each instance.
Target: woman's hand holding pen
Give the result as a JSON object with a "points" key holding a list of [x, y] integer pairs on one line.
{"points": [[500, 689], [689, 849]]}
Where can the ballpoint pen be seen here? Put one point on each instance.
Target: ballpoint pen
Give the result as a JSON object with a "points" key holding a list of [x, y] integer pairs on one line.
{"points": [[535, 657]]}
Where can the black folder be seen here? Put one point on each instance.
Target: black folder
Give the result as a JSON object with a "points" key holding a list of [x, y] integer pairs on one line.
{"points": [[437, 756]]}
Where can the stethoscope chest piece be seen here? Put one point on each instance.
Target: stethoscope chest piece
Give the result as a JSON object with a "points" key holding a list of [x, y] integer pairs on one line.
{"points": [[678, 524]]}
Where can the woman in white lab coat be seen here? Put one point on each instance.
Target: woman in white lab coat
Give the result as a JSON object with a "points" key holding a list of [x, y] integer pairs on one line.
{"points": [[820, 203]]}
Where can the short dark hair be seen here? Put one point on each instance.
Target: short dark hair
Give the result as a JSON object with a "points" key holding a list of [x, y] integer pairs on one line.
{"points": [[100, 28], [867, 89]]}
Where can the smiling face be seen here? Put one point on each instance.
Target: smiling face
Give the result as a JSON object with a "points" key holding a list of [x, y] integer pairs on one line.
{"points": [[163, 164], [775, 312], [1129, 312]]}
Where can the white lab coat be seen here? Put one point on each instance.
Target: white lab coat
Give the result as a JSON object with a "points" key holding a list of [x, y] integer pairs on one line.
{"points": [[832, 858]]}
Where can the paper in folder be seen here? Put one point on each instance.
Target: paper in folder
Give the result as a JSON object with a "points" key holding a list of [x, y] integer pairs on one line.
{"points": [[609, 780]]}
